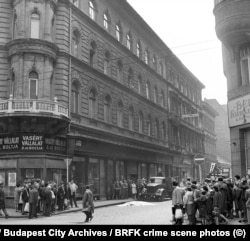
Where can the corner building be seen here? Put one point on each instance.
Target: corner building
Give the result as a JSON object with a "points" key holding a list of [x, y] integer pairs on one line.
{"points": [[232, 28], [91, 82]]}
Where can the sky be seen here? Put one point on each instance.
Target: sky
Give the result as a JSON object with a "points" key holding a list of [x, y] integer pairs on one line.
{"points": [[187, 27]]}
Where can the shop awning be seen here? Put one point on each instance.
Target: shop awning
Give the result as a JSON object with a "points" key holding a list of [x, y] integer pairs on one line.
{"points": [[8, 163], [31, 163]]}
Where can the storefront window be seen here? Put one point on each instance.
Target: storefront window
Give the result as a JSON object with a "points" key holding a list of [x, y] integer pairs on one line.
{"points": [[152, 171], [94, 176], [110, 175]]}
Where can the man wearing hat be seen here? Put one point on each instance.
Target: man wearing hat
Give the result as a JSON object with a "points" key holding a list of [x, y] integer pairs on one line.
{"points": [[2, 201]]}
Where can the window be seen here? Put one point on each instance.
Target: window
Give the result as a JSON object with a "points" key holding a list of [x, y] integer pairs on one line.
{"points": [[131, 119], [163, 131], [156, 128], [149, 126], [148, 90], [245, 71], [52, 31], [75, 43], [92, 103], [155, 95], [120, 114], [140, 86], [15, 26], [118, 32], [76, 3], [13, 80], [161, 69], [107, 109], [75, 97], [128, 41], [141, 122], [92, 53], [162, 99], [106, 65], [119, 72], [154, 63], [130, 77], [106, 21], [138, 50], [33, 82], [146, 56], [91, 10], [35, 25]]}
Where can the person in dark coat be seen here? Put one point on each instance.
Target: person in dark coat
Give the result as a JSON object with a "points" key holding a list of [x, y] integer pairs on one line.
{"points": [[33, 201], [88, 204], [2, 201], [47, 201], [60, 197], [25, 197], [217, 206]]}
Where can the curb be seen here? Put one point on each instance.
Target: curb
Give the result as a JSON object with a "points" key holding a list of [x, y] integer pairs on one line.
{"points": [[67, 211]]}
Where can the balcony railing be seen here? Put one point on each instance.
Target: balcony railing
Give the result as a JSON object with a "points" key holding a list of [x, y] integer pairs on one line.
{"points": [[33, 106]]}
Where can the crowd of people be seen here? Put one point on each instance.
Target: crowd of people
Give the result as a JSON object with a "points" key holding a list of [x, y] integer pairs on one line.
{"points": [[42, 198], [124, 189], [211, 202]]}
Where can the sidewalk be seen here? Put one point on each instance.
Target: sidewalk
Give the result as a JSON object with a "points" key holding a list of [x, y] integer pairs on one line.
{"points": [[98, 204]]}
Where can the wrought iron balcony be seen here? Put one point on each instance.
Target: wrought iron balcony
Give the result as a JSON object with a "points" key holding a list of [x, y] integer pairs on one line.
{"points": [[33, 106]]}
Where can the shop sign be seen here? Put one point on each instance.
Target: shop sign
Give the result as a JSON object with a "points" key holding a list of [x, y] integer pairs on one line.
{"points": [[239, 111], [33, 142]]}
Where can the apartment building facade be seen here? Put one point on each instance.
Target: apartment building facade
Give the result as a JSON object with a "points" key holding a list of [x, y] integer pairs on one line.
{"points": [[90, 92]]}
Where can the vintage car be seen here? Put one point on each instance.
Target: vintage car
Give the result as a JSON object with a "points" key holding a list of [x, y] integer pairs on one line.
{"points": [[158, 189]]}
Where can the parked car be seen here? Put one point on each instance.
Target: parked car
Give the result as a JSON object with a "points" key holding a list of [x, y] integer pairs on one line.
{"points": [[158, 189]]}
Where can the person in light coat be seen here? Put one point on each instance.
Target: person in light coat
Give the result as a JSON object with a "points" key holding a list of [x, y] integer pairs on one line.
{"points": [[88, 204]]}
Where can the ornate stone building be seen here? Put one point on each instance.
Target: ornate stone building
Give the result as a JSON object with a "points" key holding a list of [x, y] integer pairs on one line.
{"points": [[91, 82], [232, 28]]}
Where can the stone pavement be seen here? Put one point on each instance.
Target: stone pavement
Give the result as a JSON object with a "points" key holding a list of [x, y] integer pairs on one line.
{"points": [[99, 203]]}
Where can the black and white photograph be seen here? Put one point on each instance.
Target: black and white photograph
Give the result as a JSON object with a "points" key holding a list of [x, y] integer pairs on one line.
{"points": [[125, 113]]}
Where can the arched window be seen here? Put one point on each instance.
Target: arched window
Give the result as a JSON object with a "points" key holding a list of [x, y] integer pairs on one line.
{"points": [[141, 121], [92, 53], [92, 103], [106, 64], [120, 71], [155, 95], [118, 32], [15, 26], [149, 126], [91, 10], [106, 21], [148, 90], [130, 77], [13, 83], [75, 97], [138, 50], [107, 109], [120, 114], [140, 86], [35, 25], [33, 84], [131, 119], [146, 57], [75, 43], [129, 41]]}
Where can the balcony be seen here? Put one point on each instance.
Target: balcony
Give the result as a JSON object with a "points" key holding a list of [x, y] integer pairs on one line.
{"points": [[20, 106], [232, 19]]}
